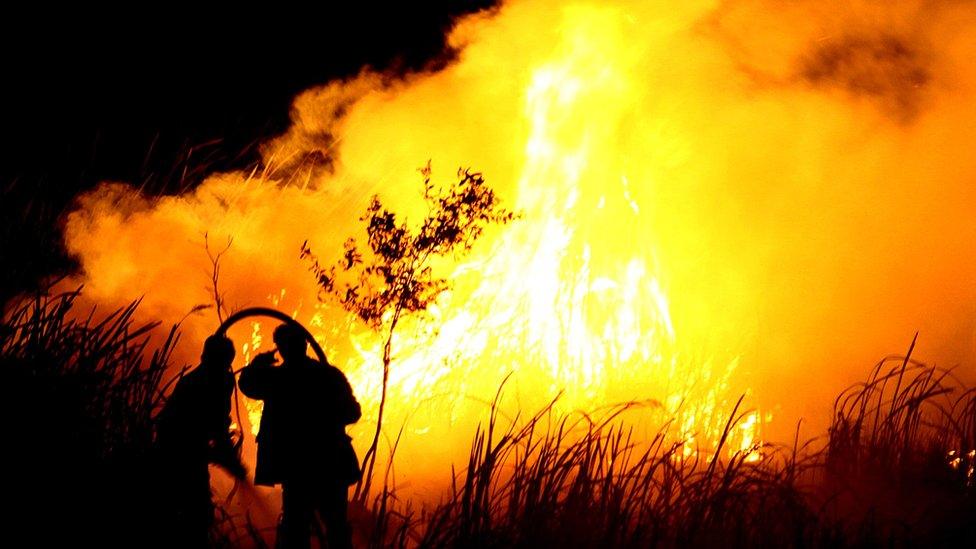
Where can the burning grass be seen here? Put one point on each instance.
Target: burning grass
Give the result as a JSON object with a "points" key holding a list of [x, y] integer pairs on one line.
{"points": [[895, 468], [582, 481], [589, 482]]}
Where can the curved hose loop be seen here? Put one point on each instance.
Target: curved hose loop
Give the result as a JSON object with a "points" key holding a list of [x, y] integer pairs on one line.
{"points": [[272, 313], [276, 314]]}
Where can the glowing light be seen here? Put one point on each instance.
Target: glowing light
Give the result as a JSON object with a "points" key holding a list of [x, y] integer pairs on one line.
{"points": [[569, 297], [253, 407]]}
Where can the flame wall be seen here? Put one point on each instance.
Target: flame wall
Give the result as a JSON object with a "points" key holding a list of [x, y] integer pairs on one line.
{"points": [[744, 195]]}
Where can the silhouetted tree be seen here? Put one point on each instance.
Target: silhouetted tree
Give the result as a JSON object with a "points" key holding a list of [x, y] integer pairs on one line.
{"points": [[395, 278]]}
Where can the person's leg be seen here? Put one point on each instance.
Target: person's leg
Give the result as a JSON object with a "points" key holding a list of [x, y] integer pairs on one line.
{"points": [[296, 517], [333, 508]]}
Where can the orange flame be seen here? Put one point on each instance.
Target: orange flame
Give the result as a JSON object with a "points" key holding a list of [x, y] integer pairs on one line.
{"points": [[716, 199]]}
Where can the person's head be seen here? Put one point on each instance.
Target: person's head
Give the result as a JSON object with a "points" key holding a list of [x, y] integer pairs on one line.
{"points": [[218, 352], [291, 342]]}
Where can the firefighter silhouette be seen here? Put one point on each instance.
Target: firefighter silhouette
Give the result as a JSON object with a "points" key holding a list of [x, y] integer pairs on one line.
{"points": [[302, 442], [193, 430]]}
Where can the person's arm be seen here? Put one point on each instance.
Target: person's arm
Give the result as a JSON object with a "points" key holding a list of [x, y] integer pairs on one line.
{"points": [[257, 378], [223, 452]]}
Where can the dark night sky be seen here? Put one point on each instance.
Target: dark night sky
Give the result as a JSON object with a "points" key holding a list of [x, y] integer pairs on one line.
{"points": [[87, 97], [90, 95]]}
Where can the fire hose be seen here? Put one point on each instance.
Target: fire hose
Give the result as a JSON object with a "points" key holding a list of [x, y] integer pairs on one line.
{"points": [[276, 314], [271, 313]]}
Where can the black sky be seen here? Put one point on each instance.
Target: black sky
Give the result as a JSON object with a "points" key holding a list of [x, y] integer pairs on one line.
{"points": [[97, 93], [108, 95]]}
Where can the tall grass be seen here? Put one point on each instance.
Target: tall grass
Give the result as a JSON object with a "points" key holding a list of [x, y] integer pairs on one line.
{"points": [[77, 415], [895, 468], [580, 481], [899, 458]]}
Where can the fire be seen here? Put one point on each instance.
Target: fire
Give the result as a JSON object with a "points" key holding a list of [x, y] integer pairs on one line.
{"points": [[570, 297], [715, 199], [249, 350]]}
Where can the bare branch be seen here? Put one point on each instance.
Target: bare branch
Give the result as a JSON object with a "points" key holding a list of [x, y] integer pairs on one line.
{"points": [[218, 297]]}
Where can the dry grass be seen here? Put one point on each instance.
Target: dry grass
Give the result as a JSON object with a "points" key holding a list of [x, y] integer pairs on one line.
{"points": [[78, 407], [585, 482], [895, 467]]}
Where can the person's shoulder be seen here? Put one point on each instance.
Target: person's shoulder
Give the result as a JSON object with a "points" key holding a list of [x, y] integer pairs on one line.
{"points": [[189, 385], [191, 377]]}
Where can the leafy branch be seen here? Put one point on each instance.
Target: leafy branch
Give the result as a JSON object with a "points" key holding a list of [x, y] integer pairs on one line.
{"points": [[394, 277]]}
